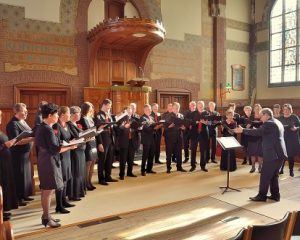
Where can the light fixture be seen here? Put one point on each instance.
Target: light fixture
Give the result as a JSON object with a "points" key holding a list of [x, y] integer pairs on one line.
{"points": [[139, 35], [228, 86]]}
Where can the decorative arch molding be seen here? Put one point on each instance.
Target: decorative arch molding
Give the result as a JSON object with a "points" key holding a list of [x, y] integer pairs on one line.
{"points": [[171, 83], [267, 10]]}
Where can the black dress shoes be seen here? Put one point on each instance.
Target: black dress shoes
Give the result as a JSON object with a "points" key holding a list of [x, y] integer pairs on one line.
{"points": [[169, 171], [22, 203], [28, 199], [192, 169], [204, 169], [214, 161], [104, 183], [274, 198], [159, 162], [186, 160], [111, 180], [258, 198], [143, 174], [91, 188], [131, 175], [291, 173], [152, 172], [181, 170], [76, 199], [67, 205], [121, 177], [62, 210]]}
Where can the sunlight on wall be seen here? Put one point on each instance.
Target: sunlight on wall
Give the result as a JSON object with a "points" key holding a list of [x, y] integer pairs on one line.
{"points": [[45, 10], [130, 11], [95, 13]]}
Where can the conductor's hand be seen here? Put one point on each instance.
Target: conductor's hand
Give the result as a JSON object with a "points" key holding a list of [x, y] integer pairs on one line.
{"points": [[171, 125], [294, 129], [239, 129]]}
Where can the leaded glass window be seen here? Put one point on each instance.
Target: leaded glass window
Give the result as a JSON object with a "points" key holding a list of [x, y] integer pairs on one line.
{"points": [[284, 43]]}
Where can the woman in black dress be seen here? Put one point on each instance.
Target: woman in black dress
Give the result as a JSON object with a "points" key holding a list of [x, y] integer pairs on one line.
{"points": [[291, 125], [77, 156], [255, 143], [91, 155], [48, 161], [246, 120], [6, 174], [21, 154], [227, 131], [62, 129]]}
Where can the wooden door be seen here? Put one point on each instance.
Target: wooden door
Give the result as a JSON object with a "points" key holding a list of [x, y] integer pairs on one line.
{"points": [[164, 98]]}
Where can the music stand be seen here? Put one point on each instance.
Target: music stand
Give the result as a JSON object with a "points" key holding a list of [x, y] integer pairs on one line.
{"points": [[228, 143]]}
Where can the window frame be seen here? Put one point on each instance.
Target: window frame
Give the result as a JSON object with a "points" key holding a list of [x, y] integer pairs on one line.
{"points": [[283, 48]]}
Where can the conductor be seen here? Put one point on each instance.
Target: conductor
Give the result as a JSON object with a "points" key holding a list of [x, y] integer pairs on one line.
{"points": [[274, 152]]}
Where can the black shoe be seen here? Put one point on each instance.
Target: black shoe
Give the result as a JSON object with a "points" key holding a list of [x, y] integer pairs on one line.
{"points": [[131, 175], [22, 203], [274, 198], [181, 170], [258, 198], [252, 170], [76, 199], [7, 214], [111, 180], [50, 223], [62, 210], [6, 218], [67, 205], [291, 173], [102, 182], [281, 171], [159, 162], [153, 172], [214, 161], [169, 171], [90, 188], [192, 169], [186, 160], [28, 199], [244, 162], [143, 174], [121, 177], [204, 169], [135, 164]]}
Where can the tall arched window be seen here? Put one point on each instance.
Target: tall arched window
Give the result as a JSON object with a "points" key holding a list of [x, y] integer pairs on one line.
{"points": [[284, 43]]}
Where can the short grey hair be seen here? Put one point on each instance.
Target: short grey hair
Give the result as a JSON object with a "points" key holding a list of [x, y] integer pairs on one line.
{"points": [[19, 107], [267, 111], [75, 109]]}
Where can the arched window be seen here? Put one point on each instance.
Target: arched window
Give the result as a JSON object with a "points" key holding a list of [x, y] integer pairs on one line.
{"points": [[284, 43]]}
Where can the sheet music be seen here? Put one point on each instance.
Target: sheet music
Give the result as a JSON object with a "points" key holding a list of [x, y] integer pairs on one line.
{"points": [[119, 117], [75, 142], [89, 132], [228, 142]]}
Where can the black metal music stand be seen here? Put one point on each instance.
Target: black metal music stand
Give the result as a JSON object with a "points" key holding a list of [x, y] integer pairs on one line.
{"points": [[228, 143]]}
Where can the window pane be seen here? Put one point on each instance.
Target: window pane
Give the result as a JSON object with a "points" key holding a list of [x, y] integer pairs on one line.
{"points": [[276, 41], [290, 73], [290, 5], [290, 38], [275, 75], [277, 9], [290, 56], [276, 24], [290, 20], [276, 58]]}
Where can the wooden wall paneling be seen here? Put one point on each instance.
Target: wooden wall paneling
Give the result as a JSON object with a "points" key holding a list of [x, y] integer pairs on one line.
{"points": [[96, 96], [7, 114], [103, 76], [117, 71], [131, 70]]}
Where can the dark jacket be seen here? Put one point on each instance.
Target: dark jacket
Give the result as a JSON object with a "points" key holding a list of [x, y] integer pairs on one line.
{"points": [[273, 145], [147, 133]]}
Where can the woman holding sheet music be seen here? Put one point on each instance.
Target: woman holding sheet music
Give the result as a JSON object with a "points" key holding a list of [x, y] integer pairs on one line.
{"points": [[227, 129], [6, 174], [62, 129], [48, 161], [87, 122], [77, 156], [21, 153]]}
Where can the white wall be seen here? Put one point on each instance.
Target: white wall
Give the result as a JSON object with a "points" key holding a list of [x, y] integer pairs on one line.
{"points": [[44, 10], [130, 10], [180, 17], [95, 13], [238, 10]]}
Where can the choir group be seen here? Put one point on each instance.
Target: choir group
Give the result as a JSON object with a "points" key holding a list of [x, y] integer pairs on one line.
{"points": [[65, 165]]}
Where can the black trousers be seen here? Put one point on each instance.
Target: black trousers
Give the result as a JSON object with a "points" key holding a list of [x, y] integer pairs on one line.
{"points": [[157, 147], [186, 145], [147, 157], [212, 146], [203, 143], [174, 148], [126, 156], [105, 163], [269, 178]]}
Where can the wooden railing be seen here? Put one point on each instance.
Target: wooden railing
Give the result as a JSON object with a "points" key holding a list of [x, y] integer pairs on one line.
{"points": [[6, 231]]}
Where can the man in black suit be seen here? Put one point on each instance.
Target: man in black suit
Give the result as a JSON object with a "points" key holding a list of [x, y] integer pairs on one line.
{"points": [[158, 132], [212, 130], [173, 138], [187, 131], [274, 153], [199, 135], [147, 139], [106, 157]]}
